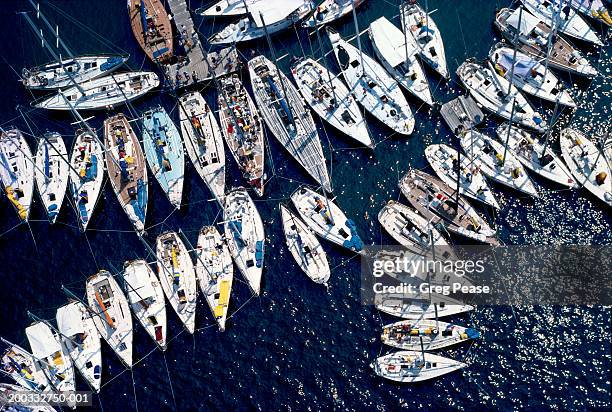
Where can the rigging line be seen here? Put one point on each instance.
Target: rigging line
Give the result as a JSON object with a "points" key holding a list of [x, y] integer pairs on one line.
{"points": [[11, 229], [170, 382], [134, 389]]}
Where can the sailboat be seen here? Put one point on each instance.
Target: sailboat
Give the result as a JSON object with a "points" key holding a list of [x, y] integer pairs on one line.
{"points": [[203, 141], [331, 10], [17, 171], [86, 175], [592, 8], [151, 26], [164, 152], [146, 297], [177, 276], [111, 314], [127, 169], [215, 272], [227, 8], [243, 130], [245, 237], [22, 367], [16, 397], [81, 340], [432, 333], [52, 173], [412, 366]]}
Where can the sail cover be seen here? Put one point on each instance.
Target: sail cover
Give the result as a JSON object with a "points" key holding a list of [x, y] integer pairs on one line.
{"points": [[70, 320], [522, 64], [389, 41], [138, 283], [273, 11], [42, 341], [527, 21]]}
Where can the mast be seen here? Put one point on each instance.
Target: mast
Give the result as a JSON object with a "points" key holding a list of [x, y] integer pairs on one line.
{"points": [[357, 33], [42, 17], [324, 61], [555, 25], [404, 30], [508, 134]]}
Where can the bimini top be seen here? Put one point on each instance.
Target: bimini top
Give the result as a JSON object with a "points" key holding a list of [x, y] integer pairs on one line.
{"points": [[528, 22], [42, 341], [70, 320]]}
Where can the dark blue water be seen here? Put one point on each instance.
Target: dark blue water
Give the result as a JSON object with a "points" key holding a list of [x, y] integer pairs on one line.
{"points": [[299, 346]]}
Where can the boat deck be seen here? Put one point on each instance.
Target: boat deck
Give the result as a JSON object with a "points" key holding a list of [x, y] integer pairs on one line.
{"points": [[461, 113], [197, 66]]}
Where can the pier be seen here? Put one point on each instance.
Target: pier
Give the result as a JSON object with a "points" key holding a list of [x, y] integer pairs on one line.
{"points": [[461, 113], [197, 66]]}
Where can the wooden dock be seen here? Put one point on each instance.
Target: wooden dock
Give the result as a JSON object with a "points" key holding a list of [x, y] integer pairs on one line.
{"points": [[461, 113], [197, 66]]}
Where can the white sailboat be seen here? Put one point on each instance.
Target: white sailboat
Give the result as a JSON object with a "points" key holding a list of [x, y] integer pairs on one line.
{"points": [[146, 297], [592, 8], [245, 237], [372, 87], [431, 333], [177, 276], [398, 305], [215, 272], [52, 173], [111, 314], [412, 366], [22, 367], [398, 55], [305, 247], [81, 340], [330, 10], [203, 141], [17, 171]]}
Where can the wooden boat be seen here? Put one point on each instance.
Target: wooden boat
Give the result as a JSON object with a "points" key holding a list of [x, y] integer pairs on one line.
{"points": [[530, 152], [305, 247], [81, 340], [111, 314], [146, 297], [52, 173], [330, 99], [86, 175], [372, 87], [432, 333], [103, 93], [127, 169], [17, 171], [529, 75], [68, 72], [164, 152], [533, 35], [438, 202], [283, 110], [397, 305], [412, 366], [444, 160], [215, 272], [243, 131], [398, 55], [331, 10], [488, 155], [587, 164], [22, 367], [203, 141], [14, 397], [151, 26], [326, 219], [177, 276], [245, 237], [419, 25]]}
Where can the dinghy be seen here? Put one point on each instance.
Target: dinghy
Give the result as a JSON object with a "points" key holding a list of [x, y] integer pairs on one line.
{"points": [[397, 305], [326, 219], [86, 175], [432, 333], [398, 55], [127, 169], [305, 247], [51, 357], [13, 398], [286, 116], [111, 314], [412, 366], [22, 367], [270, 15], [587, 164], [244, 234], [243, 131], [372, 87], [444, 160], [529, 75], [81, 340], [177, 276], [215, 272], [592, 8], [17, 171], [202, 138], [52, 173], [530, 152], [438, 202], [422, 28], [330, 10], [151, 26], [330, 99], [103, 93], [488, 155], [227, 8], [164, 151], [564, 18], [71, 71], [498, 95], [146, 297], [532, 39]]}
